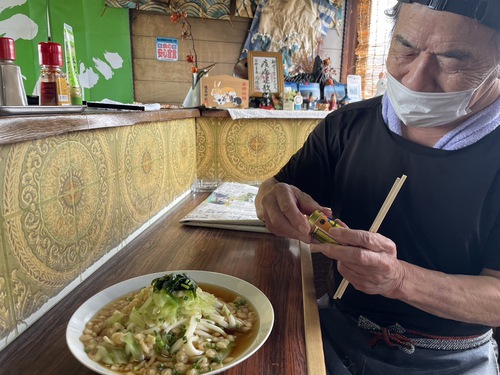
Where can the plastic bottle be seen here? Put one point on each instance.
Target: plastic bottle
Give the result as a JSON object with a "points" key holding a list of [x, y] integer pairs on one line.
{"points": [[287, 99], [11, 84], [333, 103], [71, 66], [311, 102], [53, 85], [297, 101]]}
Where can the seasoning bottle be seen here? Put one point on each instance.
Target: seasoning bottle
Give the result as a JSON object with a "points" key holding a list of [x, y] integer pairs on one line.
{"points": [[287, 99], [311, 102], [320, 224], [333, 103], [297, 101], [53, 85], [11, 84]]}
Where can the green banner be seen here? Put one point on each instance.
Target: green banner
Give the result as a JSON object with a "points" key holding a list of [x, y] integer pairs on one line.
{"points": [[102, 42]]}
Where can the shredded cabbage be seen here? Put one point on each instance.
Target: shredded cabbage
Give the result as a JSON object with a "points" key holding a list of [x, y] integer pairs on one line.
{"points": [[171, 324]]}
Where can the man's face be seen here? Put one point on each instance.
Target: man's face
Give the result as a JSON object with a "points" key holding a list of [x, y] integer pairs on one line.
{"points": [[435, 51]]}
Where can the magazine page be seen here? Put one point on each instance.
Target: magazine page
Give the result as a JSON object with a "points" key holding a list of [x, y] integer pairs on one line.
{"points": [[230, 206]]}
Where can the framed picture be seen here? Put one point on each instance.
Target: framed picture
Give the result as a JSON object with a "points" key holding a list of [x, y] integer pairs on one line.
{"points": [[265, 73]]}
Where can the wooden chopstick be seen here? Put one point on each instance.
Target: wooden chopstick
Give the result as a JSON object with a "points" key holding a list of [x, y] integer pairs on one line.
{"points": [[376, 224]]}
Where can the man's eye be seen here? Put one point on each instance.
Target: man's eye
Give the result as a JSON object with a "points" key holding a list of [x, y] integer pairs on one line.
{"points": [[406, 50], [451, 63], [407, 53], [457, 55]]}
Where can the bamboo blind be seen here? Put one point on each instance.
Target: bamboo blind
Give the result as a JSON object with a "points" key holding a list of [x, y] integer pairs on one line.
{"points": [[374, 30]]}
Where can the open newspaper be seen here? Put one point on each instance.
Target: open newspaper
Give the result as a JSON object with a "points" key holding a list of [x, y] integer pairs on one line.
{"points": [[230, 206]]}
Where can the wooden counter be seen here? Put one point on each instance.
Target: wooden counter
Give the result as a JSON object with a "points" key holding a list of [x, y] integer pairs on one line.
{"points": [[270, 263], [28, 127]]}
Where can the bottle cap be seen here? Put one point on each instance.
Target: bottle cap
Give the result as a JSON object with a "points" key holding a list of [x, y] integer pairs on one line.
{"points": [[7, 49], [50, 53]]}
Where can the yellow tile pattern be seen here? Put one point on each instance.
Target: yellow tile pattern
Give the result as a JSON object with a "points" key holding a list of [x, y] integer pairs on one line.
{"points": [[247, 150], [68, 200]]}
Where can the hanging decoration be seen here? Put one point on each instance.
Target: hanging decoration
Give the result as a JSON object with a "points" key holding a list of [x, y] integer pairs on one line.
{"points": [[213, 9], [292, 28], [245, 8]]}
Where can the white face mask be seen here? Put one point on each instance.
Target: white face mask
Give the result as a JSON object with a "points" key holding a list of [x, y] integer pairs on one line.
{"points": [[428, 109]]}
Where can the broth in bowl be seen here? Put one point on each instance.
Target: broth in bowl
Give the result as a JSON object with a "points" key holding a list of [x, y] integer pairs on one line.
{"points": [[171, 327]]}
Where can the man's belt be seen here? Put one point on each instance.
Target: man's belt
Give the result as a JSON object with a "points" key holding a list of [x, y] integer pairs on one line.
{"points": [[407, 340]]}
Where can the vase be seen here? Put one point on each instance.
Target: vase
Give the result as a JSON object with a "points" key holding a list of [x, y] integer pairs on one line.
{"points": [[192, 99]]}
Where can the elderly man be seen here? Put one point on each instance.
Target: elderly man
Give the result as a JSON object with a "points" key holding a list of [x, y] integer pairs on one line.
{"points": [[425, 290]]}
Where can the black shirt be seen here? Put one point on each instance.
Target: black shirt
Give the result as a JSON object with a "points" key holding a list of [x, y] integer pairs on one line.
{"points": [[445, 218]]}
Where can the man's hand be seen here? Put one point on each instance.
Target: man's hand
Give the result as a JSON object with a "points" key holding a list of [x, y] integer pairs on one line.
{"points": [[367, 260], [284, 208]]}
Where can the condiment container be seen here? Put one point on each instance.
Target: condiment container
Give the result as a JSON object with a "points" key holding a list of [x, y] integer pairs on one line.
{"points": [[320, 225], [287, 99], [53, 85], [11, 84], [75, 89], [297, 101], [330, 96]]}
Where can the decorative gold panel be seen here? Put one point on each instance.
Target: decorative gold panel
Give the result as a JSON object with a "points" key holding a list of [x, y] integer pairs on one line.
{"points": [[248, 150], [6, 314], [67, 200], [206, 148], [142, 172], [58, 189], [182, 166], [43, 191]]}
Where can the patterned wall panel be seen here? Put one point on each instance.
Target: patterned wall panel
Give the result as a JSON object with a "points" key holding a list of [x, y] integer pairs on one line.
{"points": [[68, 200], [248, 150], [91, 198], [141, 172], [60, 200], [206, 147], [6, 306], [182, 166]]}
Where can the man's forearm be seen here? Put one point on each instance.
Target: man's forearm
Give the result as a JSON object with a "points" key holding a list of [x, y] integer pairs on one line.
{"points": [[471, 299]]}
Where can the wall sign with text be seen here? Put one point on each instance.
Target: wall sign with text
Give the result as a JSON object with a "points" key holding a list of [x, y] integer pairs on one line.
{"points": [[167, 49], [265, 73]]}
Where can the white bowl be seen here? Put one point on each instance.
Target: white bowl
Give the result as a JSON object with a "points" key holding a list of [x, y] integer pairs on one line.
{"points": [[86, 311]]}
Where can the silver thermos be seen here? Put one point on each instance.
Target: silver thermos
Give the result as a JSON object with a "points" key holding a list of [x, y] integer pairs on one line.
{"points": [[11, 83]]}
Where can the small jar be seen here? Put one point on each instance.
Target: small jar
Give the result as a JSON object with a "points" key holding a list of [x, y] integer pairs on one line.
{"points": [[53, 85], [297, 101], [320, 225], [11, 84], [287, 99]]}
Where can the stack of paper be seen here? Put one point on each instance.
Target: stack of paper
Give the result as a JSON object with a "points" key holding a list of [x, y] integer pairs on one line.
{"points": [[230, 206]]}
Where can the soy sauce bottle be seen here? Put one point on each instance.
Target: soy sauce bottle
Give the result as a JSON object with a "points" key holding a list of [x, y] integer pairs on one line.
{"points": [[53, 85]]}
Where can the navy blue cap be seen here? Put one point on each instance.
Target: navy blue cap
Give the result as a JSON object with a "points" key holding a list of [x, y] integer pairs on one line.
{"points": [[486, 12]]}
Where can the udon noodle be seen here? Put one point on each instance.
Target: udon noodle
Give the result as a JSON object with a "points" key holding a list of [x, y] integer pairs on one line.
{"points": [[171, 327]]}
